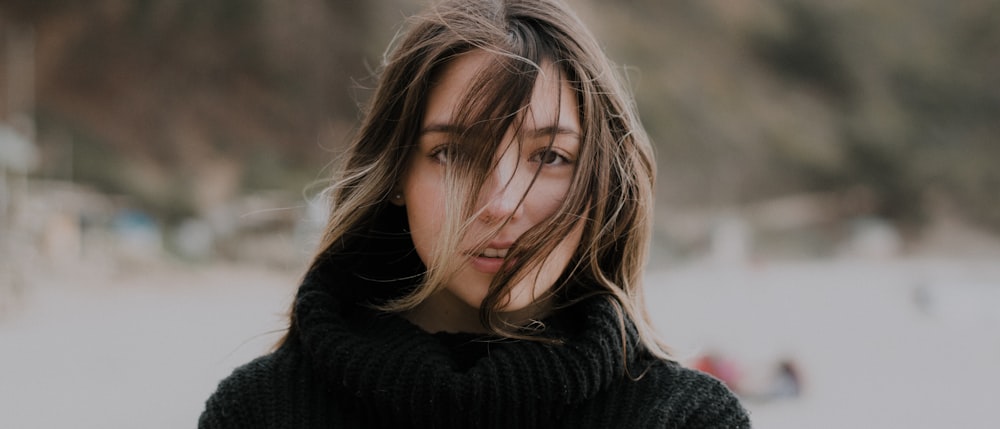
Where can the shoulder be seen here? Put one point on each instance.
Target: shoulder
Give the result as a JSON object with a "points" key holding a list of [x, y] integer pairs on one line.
{"points": [[243, 398], [684, 397]]}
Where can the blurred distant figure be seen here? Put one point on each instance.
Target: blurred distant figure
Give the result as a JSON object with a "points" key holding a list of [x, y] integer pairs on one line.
{"points": [[784, 380], [787, 383], [18, 157], [721, 368]]}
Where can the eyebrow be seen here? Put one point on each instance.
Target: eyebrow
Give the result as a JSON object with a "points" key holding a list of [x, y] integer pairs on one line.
{"points": [[537, 132], [554, 130]]}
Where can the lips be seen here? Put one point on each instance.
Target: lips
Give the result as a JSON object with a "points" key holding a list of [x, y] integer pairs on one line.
{"points": [[491, 259]]}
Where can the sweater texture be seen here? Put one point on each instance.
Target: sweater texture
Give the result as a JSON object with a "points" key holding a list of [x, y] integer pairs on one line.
{"points": [[344, 365]]}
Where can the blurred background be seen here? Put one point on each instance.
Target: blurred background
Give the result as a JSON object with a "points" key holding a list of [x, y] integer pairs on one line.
{"points": [[828, 205]]}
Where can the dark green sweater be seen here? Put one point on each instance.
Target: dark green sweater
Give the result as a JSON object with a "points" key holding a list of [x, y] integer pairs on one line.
{"points": [[346, 366]]}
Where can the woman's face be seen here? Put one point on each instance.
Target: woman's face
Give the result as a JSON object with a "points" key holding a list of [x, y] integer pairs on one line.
{"points": [[553, 107]]}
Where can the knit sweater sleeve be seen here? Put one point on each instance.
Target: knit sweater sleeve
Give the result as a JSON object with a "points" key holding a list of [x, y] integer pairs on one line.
{"points": [[707, 403], [239, 399]]}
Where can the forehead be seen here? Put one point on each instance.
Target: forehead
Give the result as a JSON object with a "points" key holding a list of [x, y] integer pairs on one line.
{"points": [[553, 100]]}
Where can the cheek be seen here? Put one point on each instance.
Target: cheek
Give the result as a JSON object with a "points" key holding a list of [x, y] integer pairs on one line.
{"points": [[561, 255], [549, 271], [424, 211], [544, 199]]}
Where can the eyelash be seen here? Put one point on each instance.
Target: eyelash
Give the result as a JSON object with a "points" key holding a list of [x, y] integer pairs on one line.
{"points": [[559, 160], [440, 154]]}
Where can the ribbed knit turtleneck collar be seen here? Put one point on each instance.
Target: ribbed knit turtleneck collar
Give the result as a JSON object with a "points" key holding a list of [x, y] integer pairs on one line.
{"points": [[401, 376]]}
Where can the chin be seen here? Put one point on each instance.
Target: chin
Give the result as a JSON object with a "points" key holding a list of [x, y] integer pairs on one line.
{"points": [[475, 290]]}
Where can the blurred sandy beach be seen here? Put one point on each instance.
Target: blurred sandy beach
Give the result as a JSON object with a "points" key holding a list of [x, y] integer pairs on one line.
{"points": [[145, 349], [901, 343]]}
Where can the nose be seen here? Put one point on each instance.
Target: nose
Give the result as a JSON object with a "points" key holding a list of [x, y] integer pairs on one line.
{"points": [[504, 189]]}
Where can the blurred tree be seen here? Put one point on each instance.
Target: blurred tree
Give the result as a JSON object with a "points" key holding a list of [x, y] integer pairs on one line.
{"points": [[186, 103], [178, 86], [804, 50]]}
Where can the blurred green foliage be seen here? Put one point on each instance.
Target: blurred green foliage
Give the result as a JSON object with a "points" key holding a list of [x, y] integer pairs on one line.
{"points": [[746, 101]]}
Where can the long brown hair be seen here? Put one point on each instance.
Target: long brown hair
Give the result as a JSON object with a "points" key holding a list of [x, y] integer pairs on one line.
{"points": [[612, 188]]}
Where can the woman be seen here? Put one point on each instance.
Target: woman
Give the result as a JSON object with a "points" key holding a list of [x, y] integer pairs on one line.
{"points": [[482, 264]]}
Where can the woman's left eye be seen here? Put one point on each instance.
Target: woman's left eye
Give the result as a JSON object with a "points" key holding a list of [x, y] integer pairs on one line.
{"points": [[550, 157]]}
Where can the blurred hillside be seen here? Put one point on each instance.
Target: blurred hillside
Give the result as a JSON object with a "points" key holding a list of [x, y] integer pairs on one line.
{"points": [[857, 109]]}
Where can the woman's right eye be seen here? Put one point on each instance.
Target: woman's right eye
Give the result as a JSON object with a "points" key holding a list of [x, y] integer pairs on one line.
{"points": [[441, 153]]}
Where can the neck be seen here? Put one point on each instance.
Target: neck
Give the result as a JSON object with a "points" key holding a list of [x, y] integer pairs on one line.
{"points": [[444, 312]]}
